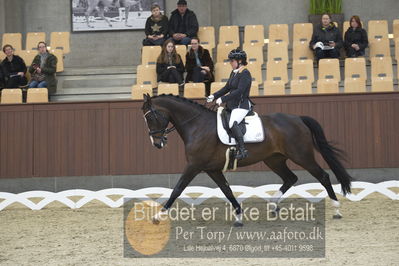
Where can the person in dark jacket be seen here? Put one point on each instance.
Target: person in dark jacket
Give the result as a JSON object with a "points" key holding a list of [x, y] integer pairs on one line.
{"points": [[238, 86], [356, 40], [199, 65], [170, 67], [156, 27], [43, 69], [14, 68], [183, 24], [326, 39], [2, 77]]}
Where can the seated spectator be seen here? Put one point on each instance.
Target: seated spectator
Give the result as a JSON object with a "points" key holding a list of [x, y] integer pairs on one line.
{"points": [[326, 39], [183, 24], [356, 40], [156, 27], [170, 67], [43, 69], [2, 78], [199, 65], [14, 68]]}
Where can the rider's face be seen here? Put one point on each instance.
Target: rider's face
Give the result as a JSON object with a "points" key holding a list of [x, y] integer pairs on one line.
{"points": [[234, 63], [156, 12]]}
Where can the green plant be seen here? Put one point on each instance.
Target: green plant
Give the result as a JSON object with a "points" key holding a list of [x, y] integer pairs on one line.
{"points": [[318, 7]]}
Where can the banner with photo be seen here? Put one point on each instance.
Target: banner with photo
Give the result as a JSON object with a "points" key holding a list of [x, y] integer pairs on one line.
{"points": [[108, 15]]}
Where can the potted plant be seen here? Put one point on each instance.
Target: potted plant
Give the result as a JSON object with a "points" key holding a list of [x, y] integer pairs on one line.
{"points": [[332, 7]]}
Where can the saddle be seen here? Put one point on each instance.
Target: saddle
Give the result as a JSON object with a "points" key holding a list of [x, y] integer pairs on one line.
{"points": [[251, 127], [226, 114]]}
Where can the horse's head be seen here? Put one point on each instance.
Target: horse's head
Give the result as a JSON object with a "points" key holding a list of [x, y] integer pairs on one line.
{"points": [[157, 123]]}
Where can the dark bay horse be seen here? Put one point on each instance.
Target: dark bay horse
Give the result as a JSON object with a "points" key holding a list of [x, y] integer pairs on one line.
{"points": [[286, 137]]}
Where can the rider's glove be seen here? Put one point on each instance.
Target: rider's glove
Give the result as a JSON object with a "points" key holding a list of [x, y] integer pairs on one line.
{"points": [[210, 98]]}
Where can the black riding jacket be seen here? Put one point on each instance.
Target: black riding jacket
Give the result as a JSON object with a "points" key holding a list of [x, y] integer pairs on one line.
{"points": [[239, 86]]}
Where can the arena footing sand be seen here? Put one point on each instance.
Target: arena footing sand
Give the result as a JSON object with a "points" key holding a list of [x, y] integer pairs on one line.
{"points": [[93, 235]]}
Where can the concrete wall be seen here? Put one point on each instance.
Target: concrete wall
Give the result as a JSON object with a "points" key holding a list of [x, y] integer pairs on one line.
{"points": [[120, 48], [123, 48], [2, 17]]}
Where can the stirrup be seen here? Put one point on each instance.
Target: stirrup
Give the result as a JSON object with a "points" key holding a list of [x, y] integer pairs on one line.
{"points": [[242, 154]]}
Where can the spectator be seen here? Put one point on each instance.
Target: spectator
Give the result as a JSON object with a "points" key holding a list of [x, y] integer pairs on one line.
{"points": [[156, 27], [170, 66], [326, 39], [356, 40], [14, 68], [43, 69], [199, 65], [2, 78], [183, 24]]}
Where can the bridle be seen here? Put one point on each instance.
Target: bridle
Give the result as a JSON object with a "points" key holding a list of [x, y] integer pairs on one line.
{"points": [[164, 132]]}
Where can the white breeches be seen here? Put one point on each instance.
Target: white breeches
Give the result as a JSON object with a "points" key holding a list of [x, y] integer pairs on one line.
{"points": [[237, 115]]}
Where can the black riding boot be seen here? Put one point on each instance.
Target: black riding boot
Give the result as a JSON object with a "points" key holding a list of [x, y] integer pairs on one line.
{"points": [[242, 152]]}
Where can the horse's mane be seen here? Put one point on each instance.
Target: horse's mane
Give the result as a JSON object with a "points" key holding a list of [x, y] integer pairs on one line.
{"points": [[183, 100]]}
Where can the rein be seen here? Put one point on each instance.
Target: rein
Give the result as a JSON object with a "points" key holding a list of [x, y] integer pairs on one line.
{"points": [[165, 131]]}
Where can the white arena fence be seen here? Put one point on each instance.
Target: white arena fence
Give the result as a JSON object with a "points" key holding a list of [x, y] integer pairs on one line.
{"points": [[202, 193]]}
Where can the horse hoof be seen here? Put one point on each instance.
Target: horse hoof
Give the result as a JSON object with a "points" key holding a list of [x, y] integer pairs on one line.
{"points": [[155, 221], [238, 224], [337, 216]]}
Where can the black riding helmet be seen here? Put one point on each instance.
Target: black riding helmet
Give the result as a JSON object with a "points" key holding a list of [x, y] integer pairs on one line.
{"points": [[238, 54]]}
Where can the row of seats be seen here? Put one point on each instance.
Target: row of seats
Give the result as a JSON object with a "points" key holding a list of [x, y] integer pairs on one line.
{"points": [[270, 88], [34, 95], [59, 46], [254, 34], [58, 40], [276, 51], [277, 78], [277, 70]]}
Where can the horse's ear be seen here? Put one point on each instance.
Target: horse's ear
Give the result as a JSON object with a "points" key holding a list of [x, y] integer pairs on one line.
{"points": [[147, 98]]}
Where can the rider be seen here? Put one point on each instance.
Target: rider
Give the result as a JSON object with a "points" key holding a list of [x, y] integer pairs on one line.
{"points": [[239, 85]]}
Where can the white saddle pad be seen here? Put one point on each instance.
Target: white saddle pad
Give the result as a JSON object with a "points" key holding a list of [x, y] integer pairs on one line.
{"points": [[254, 132]]}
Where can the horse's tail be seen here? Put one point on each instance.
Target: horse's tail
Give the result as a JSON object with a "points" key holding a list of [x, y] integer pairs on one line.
{"points": [[330, 153]]}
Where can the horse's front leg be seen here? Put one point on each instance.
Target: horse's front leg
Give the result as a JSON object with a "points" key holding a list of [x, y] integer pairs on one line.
{"points": [[89, 11], [221, 181], [101, 12], [127, 9], [189, 173]]}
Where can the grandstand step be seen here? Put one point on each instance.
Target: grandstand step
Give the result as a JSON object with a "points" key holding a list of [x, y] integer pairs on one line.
{"points": [[98, 71], [93, 90], [101, 81], [90, 97]]}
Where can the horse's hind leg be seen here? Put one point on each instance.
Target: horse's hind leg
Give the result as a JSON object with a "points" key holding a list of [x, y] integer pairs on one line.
{"points": [[101, 13], [89, 11], [278, 164], [221, 181], [127, 9], [310, 164]]}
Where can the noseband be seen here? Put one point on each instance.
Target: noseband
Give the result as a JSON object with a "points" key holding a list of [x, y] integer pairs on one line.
{"points": [[164, 131]]}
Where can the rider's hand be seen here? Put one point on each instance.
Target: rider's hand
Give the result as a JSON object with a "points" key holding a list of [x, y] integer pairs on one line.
{"points": [[219, 101], [210, 98]]}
